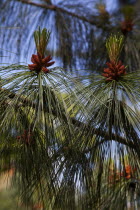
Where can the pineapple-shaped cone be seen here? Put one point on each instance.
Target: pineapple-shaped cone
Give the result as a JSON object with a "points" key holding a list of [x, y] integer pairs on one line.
{"points": [[128, 23], [115, 69], [40, 62]]}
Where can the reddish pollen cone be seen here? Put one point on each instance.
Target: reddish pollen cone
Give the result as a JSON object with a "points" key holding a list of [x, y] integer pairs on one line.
{"points": [[37, 206], [128, 172], [114, 177], [114, 70], [26, 137], [126, 26], [40, 63]]}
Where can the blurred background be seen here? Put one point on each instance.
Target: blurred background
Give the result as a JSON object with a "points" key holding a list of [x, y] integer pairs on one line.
{"points": [[78, 28]]}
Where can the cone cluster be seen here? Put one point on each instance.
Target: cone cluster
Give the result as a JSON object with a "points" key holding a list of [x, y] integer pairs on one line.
{"points": [[126, 26], [127, 173], [40, 63], [25, 137], [114, 70]]}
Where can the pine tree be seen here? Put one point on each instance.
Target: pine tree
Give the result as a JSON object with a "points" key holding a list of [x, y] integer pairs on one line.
{"points": [[71, 137]]}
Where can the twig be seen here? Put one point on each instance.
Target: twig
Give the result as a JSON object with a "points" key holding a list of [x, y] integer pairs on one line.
{"points": [[55, 8]]}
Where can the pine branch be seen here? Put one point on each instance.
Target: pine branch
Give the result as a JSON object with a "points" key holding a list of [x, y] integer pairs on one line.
{"points": [[55, 8], [103, 134], [46, 6], [78, 124]]}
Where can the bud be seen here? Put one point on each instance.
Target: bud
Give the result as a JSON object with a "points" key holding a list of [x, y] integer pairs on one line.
{"points": [[127, 24], [41, 40], [114, 45], [40, 62]]}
